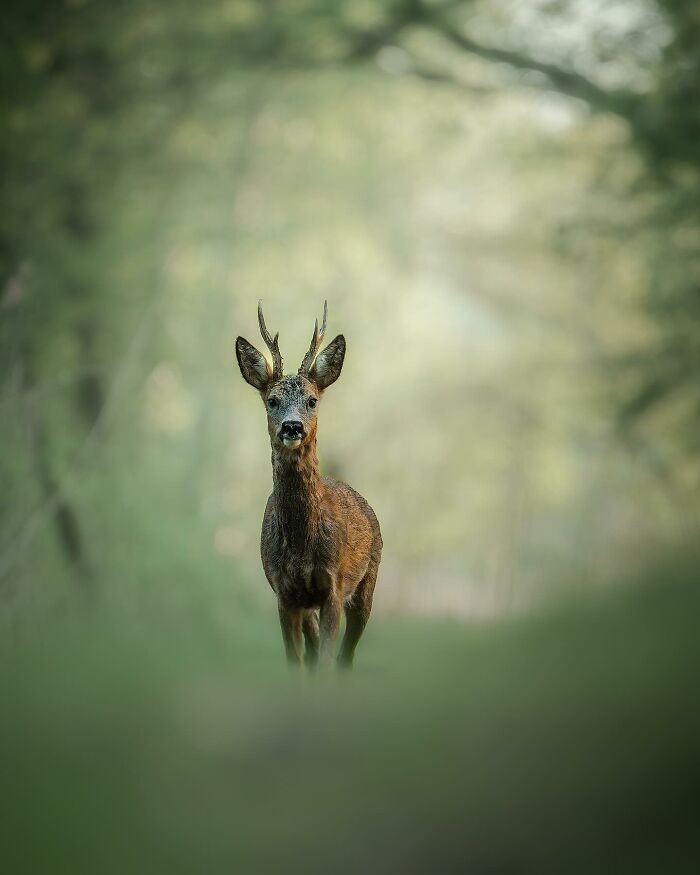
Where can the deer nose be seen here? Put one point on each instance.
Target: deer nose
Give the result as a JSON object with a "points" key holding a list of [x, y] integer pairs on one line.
{"points": [[292, 429]]}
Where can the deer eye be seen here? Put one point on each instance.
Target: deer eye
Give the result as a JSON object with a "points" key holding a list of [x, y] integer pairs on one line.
{"points": [[312, 402], [272, 403]]}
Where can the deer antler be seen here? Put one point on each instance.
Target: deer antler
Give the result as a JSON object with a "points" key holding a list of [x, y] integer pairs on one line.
{"points": [[315, 344], [272, 345]]}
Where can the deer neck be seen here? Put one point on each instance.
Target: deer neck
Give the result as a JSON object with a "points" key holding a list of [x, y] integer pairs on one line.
{"points": [[297, 492]]}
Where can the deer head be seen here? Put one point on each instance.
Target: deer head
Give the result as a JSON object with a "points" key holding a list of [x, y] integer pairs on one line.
{"points": [[292, 401]]}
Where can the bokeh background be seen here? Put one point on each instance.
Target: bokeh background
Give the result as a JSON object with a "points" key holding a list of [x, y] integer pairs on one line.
{"points": [[501, 203]]}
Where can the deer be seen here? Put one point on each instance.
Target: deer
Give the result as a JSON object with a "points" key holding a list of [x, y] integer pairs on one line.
{"points": [[320, 544]]}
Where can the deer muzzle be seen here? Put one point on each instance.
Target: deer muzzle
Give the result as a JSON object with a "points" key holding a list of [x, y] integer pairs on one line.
{"points": [[292, 433]]}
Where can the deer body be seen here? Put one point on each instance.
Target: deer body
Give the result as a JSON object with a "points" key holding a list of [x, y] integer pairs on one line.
{"points": [[321, 544]]}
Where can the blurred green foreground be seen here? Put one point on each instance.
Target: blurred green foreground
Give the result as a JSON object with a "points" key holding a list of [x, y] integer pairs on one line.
{"points": [[569, 743]]}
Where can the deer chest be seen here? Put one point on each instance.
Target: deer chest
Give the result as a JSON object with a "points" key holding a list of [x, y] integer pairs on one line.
{"points": [[296, 577]]}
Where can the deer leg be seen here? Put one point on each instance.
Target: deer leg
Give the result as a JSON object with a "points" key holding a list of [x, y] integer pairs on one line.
{"points": [[290, 621], [330, 615], [357, 612], [311, 638]]}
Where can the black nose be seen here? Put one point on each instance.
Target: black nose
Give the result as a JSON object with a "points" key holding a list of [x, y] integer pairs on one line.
{"points": [[292, 428]]}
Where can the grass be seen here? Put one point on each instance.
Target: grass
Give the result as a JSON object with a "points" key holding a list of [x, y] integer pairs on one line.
{"points": [[568, 742]]}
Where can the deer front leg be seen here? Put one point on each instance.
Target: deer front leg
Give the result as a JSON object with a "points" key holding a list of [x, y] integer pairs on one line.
{"points": [[330, 615], [290, 622], [311, 637]]}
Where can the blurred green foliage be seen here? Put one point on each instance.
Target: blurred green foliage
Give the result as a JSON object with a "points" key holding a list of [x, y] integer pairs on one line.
{"points": [[166, 166], [499, 200], [501, 203]]}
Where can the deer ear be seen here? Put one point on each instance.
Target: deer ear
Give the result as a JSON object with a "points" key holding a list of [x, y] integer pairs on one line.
{"points": [[254, 367], [326, 369]]}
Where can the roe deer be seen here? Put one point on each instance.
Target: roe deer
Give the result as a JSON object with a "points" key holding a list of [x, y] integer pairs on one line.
{"points": [[320, 543]]}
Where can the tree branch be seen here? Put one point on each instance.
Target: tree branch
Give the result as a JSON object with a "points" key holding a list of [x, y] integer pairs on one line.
{"points": [[568, 82]]}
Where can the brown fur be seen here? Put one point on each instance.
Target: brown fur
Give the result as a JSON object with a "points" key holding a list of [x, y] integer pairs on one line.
{"points": [[321, 544]]}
